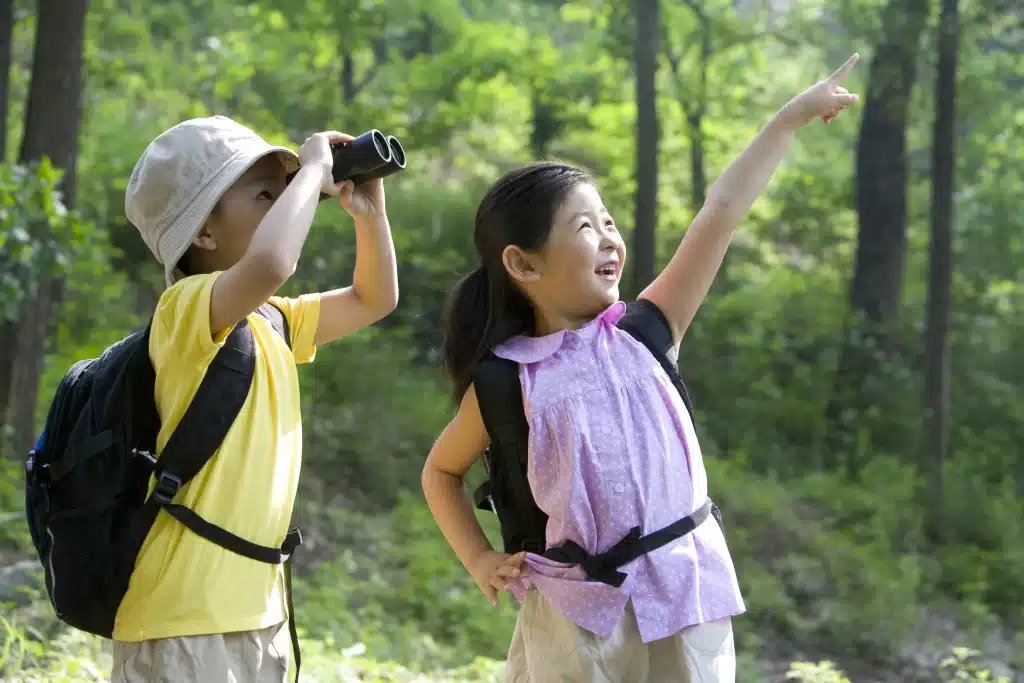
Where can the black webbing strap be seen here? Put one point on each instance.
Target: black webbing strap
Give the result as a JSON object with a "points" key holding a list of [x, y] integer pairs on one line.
{"points": [[213, 409], [604, 567], [96, 443], [229, 541], [292, 630], [277, 320], [646, 323], [500, 397]]}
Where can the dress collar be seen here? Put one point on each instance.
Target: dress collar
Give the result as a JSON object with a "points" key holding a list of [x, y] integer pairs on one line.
{"points": [[523, 349]]}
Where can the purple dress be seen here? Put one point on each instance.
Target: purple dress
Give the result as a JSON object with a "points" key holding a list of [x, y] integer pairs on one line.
{"points": [[612, 447]]}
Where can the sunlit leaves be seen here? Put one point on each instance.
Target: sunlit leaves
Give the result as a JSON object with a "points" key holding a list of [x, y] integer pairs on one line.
{"points": [[39, 239]]}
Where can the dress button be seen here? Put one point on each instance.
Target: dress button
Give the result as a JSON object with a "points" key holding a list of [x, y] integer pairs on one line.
{"points": [[619, 488]]}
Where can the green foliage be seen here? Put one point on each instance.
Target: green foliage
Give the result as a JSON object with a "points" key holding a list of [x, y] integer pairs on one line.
{"points": [[38, 237], [398, 591], [14, 537], [822, 672], [962, 665]]}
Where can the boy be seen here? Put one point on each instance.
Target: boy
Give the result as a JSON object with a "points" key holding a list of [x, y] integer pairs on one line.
{"points": [[211, 200]]}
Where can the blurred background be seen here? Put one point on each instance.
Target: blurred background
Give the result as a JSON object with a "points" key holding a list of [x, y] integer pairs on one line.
{"points": [[855, 371]]}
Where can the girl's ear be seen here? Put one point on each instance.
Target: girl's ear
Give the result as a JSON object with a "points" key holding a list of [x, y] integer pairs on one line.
{"points": [[519, 264]]}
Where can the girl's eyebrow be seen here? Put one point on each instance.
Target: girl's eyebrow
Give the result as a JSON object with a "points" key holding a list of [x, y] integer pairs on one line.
{"points": [[586, 214]]}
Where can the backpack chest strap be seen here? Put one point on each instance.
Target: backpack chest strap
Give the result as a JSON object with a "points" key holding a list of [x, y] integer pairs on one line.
{"points": [[604, 567]]}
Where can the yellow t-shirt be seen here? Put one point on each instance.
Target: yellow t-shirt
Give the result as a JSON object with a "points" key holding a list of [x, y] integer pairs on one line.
{"points": [[183, 584]]}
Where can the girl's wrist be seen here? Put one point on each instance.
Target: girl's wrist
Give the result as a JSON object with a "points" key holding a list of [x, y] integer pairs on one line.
{"points": [[789, 117]]}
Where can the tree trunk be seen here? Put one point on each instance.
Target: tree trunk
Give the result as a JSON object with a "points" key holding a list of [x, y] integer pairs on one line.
{"points": [[936, 398], [6, 40], [545, 124], [55, 93], [7, 327], [881, 197], [51, 130], [348, 78], [646, 56], [695, 116]]}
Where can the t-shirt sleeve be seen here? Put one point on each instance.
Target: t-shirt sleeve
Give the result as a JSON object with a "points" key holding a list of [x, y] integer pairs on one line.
{"points": [[181, 323], [303, 315]]}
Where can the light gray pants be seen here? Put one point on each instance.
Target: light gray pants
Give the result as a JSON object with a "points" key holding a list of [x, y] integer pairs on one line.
{"points": [[549, 648], [244, 657]]}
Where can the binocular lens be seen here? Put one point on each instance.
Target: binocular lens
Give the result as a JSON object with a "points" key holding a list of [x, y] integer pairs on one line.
{"points": [[381, 143], [397, 153]]}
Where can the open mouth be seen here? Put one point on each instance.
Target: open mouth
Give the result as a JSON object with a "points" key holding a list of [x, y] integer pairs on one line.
{"points": [[609, 271]]}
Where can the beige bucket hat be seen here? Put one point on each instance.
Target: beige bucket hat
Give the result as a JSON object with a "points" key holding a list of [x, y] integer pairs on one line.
{"points": [[182, 175]]}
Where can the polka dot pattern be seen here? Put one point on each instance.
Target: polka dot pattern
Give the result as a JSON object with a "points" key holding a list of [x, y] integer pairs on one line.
{"points": [[612, 447]]}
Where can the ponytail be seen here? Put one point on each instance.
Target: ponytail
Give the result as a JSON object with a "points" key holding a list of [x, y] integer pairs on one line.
{"points": [[483, 310]]}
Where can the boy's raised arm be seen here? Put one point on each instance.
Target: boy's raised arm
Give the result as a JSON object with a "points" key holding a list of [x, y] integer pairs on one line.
{"points": [[273, 252], [374, 290]]}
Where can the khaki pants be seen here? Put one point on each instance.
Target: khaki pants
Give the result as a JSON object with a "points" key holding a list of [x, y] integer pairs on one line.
{"points": [[246, 657], [549, 648]]}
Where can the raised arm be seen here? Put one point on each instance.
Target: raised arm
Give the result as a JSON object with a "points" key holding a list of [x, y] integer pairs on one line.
{"points": [[374, 290], [274, 249], [680, 289]]}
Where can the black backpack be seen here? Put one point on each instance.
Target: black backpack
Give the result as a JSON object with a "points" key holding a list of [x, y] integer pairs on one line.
{"points": [[506, 491], [88, 476]]}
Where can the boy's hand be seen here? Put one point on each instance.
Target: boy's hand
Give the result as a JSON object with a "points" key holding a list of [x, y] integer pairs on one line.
{"points": [[492, 571], [365, 200], [824, 99], [316, 152]]}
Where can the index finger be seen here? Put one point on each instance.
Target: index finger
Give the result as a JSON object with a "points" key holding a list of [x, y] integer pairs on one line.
{"points": [[518, 558], [506, 571], [839, 74], [334, 136]]}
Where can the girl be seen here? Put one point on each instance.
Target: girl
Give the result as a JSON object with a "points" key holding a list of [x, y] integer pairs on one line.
{"points": [[611, 444]]}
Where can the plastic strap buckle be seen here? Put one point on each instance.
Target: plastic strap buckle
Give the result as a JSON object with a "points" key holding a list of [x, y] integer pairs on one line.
{"points": [[167, 486]]}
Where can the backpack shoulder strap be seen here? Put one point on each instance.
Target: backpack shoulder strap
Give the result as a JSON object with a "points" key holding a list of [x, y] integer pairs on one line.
{"points": [[648, 325], [213, 409], [277, 320], [499, 394]]}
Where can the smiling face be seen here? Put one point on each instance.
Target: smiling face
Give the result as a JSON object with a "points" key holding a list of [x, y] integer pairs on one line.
{"points": [[576, 274]]}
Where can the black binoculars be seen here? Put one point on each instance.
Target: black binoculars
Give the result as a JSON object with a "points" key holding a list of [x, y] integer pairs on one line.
{"points": [[370, 156]]}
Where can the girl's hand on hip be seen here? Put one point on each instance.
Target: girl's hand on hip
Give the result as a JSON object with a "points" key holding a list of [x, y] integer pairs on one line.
{"points": [[493, 570]]}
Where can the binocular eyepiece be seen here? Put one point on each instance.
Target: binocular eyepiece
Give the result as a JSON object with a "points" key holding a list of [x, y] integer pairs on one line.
{"points": [[370, 156]]}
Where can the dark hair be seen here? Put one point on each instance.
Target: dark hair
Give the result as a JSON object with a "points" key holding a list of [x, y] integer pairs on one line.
{"points": [[187, 262], [486, 308]]}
